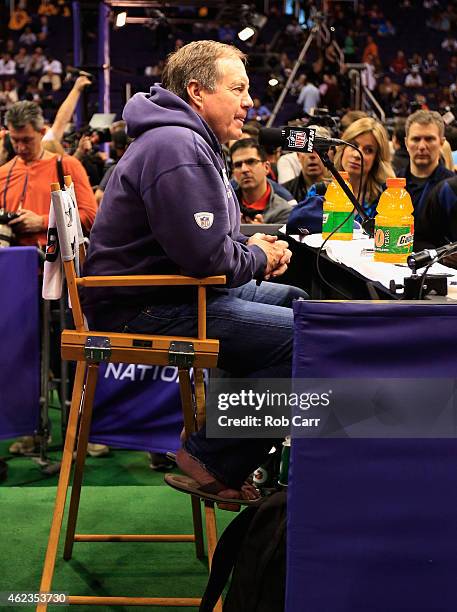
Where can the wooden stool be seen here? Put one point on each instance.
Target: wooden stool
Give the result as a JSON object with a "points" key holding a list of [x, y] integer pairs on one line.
{"points": [[89, 348]]}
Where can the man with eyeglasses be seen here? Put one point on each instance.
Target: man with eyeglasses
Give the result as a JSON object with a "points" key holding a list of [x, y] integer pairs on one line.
{"points": [[258, 201]]}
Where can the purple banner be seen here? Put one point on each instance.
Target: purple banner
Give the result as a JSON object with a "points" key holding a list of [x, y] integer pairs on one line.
{"points": [[372, 523], [137, 407], [19, 341]]}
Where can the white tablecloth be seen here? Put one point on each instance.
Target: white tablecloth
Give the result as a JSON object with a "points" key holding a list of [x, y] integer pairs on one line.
{"points": [[358, 255]]}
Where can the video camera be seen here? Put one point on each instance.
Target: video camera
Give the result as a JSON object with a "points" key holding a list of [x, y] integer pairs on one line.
{"points": [[77, 72], [6, 232], [322, 117], [103, 135], [99, 124]]}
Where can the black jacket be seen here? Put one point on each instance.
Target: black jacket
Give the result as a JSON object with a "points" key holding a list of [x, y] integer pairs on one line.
{"points": [[419, 190], [437, 223]]}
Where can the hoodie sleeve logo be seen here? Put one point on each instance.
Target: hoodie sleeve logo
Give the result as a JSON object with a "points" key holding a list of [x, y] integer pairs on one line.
{"points": [[204, 219]]}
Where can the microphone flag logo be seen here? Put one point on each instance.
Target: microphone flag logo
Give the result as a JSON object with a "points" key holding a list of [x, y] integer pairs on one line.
{"points": [[300, 139], [297, 139]]}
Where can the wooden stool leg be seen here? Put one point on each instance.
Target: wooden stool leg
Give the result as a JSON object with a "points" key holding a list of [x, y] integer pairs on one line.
{"points": [[211, 538], [199, 387], [83, 438], [198, 527], [62, 487], [185, 387], [200, 398]]}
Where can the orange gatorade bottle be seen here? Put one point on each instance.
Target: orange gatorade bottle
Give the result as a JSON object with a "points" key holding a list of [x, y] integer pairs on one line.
{"points": [[394, 223], [336, 208]]}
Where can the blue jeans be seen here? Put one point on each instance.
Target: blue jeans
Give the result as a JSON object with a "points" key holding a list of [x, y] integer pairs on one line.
{"points": [[254, 325]]}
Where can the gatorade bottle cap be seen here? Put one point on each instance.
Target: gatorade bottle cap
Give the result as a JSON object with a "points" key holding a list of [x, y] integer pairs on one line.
{"points": [[344, 175], [396, 182]]}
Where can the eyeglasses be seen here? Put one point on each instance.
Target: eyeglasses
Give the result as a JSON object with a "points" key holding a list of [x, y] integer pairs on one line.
{"points": [[252, 161]]}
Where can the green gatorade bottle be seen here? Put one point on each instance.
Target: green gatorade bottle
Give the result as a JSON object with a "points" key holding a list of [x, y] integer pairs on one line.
{"points": [[337, 207]]}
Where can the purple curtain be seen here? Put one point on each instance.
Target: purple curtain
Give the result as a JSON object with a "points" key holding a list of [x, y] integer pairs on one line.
{"points": [[372, 524], [19, 342]]}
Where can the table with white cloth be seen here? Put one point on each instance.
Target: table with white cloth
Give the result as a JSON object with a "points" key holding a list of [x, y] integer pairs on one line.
{"points": [[348, 265]]}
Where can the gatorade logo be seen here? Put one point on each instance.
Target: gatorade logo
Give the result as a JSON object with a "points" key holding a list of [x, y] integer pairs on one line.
{"points": [[394, 240], [381, 238], [405, 240], [324, 218]]}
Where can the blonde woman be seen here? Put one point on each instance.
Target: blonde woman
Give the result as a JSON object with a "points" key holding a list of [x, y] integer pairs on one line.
{"points": [[371, 138]]}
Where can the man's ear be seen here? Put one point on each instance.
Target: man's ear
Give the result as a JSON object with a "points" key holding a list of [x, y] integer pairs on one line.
{"points": [[267, 166], [195, 93], [43, 130]]}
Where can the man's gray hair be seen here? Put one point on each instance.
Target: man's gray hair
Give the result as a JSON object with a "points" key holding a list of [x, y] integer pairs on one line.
{"points": [[197, 61], [23, 113], [425, 117]]}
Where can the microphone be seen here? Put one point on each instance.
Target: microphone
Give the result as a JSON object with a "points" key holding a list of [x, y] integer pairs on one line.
{"points": [[423, 258], [298, 139]]}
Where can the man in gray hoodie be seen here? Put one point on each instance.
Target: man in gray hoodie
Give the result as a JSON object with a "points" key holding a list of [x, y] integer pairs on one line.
{"points": [[169, 208]]}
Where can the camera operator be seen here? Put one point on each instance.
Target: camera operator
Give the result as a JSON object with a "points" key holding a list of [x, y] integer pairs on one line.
{"points": [[90, 153], [120, 142], [93, 164]]}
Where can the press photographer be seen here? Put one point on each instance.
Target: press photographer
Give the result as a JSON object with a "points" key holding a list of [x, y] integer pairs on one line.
{"points": [[87, 146], [25, 180], [92, 160]]}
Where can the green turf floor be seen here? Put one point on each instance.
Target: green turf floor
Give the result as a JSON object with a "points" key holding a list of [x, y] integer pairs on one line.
{"points": [[121, 494], [122, 467]]}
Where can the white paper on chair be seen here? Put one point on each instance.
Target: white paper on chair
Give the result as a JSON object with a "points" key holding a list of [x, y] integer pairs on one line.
{"points": [[53, 273]]}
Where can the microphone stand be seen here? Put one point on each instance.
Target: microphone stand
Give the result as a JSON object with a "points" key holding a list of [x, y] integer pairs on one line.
{"points": [[418, 286], [367, 223]]}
